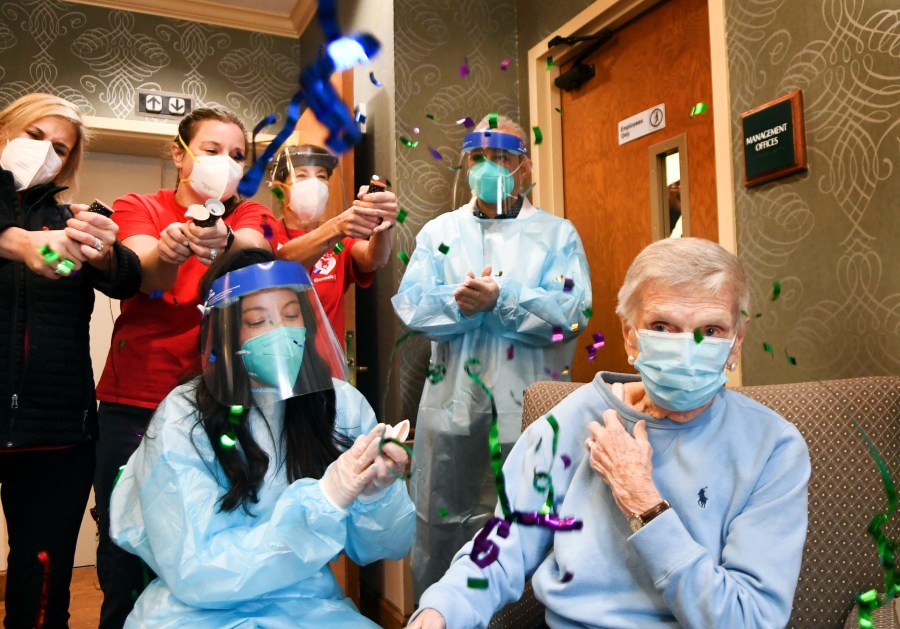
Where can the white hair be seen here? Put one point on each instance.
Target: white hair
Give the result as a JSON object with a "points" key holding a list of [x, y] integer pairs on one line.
{"points": [[693, 264], [505, 124]]}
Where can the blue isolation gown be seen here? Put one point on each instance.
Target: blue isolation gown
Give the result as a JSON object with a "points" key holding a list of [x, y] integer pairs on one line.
{"points": [[532, 257], [269, 569]]}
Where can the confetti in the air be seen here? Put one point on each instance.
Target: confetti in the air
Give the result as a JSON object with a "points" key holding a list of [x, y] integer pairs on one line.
{"points": [[409, 143], [538, 136], [557, 335], [375, 81], [504, 64], [699, 108], [401, 215], [403, 256], [464, 69], [776, 290], [435, 153], [467, 122], [443, 248]]}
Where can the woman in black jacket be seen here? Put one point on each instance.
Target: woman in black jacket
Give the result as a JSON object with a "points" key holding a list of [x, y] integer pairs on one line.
{"points": [[52, 257]]}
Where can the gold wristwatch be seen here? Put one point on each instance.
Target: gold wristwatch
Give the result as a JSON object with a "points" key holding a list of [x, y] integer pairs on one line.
{"points": [[637, 520]]}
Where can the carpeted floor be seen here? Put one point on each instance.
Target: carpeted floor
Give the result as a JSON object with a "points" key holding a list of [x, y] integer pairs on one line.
{"points": [[84, 605]]}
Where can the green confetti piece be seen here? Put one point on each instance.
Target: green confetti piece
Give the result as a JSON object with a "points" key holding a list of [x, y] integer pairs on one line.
{"points": [[587, 312], [791, 360], [403, 256], [549, 63], [699, 108], [776, 290], [278, 192], [409, 143], [118, 475], [538, 136], [338, 247], [492, 120], [443, 512], [744, 313], [698, 335], [432, 117], [443, 248], [121, 344], [226, 441], [768, 348], [559, 110], [401, 216], [757, 315], [478, 584]]}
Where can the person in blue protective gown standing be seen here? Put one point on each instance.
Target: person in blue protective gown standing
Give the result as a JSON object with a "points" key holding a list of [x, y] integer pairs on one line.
{"points": [[499, 282], [252, 477]]}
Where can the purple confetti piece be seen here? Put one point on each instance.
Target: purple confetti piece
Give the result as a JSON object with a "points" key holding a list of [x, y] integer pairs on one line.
{"points": [[510, 352], [557, 335], [375, 81], [464, 69], [504, 64], [268, 234], [568, 284], [434, 153], [566, 577], [467, 122], [566, 461]]}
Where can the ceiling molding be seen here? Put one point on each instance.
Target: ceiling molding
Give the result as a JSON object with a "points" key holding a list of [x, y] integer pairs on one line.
{"points": [[210, 12]]}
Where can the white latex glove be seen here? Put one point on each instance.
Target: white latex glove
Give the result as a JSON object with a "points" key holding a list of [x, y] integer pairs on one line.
{"points": [[346, 477], [428, 619], [390, 464]]}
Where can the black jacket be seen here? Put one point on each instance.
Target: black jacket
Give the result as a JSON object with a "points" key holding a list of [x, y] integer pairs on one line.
{"points": [[46, 382]]}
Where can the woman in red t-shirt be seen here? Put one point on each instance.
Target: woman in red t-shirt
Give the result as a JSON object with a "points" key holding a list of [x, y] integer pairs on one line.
{"points": [[300, 174], [155, 343]]}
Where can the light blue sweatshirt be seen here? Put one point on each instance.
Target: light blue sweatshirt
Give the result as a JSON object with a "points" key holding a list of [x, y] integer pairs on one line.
{"points": [[269, 569], [727, 554]]}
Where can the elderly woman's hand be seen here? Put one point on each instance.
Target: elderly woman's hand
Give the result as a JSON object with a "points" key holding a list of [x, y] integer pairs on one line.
{"points": [[624, 462], [390, 464], [428, 619]]}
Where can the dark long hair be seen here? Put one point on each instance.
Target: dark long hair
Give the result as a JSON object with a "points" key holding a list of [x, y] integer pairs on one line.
{"points": [[309, 437]]}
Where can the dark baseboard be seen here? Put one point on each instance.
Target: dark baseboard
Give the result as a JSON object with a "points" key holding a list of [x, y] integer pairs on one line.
{"points": [[378, 609]]}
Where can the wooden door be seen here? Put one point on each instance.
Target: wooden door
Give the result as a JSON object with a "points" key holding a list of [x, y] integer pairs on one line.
{"points": [[661, 56]]}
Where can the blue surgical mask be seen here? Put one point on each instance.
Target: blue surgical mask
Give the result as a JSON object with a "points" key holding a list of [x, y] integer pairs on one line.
{"points": [[274, 358], [483, 178], [680, 374]]}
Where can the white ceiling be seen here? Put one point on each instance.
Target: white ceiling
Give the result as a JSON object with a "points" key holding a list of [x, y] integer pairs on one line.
{"points": [[288, 18]]}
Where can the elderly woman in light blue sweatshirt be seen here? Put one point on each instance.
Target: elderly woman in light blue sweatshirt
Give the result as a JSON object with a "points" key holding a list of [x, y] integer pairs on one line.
{"points": [[692, 498]]}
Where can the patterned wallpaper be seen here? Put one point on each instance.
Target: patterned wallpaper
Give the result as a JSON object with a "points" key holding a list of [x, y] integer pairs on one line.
{"points": [[831, 236], [431, 42], [98, 59]]}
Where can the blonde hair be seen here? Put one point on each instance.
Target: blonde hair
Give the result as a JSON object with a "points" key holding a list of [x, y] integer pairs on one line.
{"points": [[32, 107], [691, 264]]}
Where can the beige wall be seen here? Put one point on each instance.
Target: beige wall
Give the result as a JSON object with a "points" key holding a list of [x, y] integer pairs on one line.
{"points": [[829, 236]]}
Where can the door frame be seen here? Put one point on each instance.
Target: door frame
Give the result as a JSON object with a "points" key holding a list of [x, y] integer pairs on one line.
{"points": [[544, 100]]}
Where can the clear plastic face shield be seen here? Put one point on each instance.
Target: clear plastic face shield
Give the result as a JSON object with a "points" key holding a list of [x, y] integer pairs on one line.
{"points": [[300, 180], [265, 336], [492, 164]]}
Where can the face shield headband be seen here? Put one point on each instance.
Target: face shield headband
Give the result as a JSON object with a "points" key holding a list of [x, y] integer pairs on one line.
{"points": [[265, 337]]}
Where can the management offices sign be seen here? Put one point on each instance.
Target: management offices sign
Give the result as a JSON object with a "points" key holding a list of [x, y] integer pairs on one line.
{"points": [[773, 139]]}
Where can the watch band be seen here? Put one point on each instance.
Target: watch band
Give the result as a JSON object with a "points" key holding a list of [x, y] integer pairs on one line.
{"points": [[638, 520]]}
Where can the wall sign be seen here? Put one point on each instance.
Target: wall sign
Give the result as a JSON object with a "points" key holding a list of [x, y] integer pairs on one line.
{"points": [[774, 139], [163, 104], [641, 124]]}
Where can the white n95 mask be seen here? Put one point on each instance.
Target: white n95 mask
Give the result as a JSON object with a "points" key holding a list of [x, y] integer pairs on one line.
{"points": [[31, 162], [215, 176], [308, 198]]}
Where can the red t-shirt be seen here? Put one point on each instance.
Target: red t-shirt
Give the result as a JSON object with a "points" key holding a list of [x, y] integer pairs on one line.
{"points": [[331, 276], [156, 340]]}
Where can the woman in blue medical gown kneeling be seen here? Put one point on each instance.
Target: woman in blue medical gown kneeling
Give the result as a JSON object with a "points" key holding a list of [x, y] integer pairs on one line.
{"points": [[251, 478]]}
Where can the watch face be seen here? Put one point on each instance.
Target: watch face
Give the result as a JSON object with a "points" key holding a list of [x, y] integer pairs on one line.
{"points": [[635, 523]]}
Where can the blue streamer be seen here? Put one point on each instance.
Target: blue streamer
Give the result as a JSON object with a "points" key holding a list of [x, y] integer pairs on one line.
{"points": [[317, 92]]}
